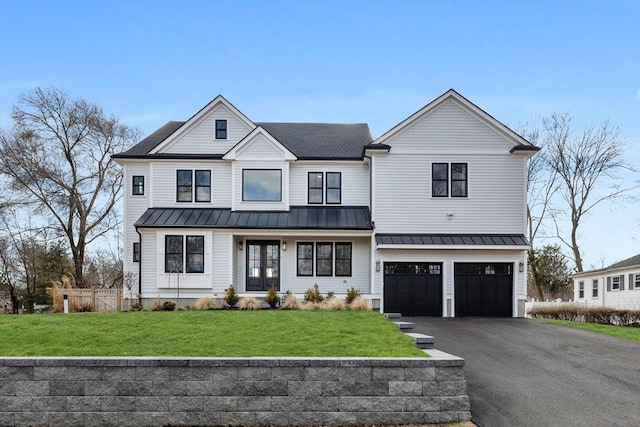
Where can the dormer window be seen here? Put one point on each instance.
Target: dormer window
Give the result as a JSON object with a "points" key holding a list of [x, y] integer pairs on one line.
{"points": [[221, 129]]}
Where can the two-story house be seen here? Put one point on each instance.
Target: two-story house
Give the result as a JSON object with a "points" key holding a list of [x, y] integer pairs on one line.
{"points": [[428, 219]]}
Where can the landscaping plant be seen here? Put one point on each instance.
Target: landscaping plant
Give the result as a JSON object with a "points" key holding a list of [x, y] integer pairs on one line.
{"points": [[272, 297], [231, 298], [313, 294]]}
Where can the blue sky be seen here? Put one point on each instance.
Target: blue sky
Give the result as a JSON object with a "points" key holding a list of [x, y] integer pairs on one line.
{"points": [[149, 62]]}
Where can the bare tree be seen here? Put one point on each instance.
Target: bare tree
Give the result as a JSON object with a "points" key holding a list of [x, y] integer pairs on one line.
{"points": [[57, 156], [588, 164]]}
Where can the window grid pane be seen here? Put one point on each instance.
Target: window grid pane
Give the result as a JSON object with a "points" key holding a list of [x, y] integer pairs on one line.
{"points": [[315, 187], [334, 187], [221, 129], [173, 254], [195, 254], [203, 186], [439, 180], [305, 259], [343, 259], [458, 180], [184, 186], [138, 185], [324, 259]]}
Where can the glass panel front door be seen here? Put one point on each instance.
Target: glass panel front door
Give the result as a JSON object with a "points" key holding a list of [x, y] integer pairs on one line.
{"points": [[263, 265]]}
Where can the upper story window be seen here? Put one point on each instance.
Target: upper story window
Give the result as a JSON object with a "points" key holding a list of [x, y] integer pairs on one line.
{"points": [[221, 129], [580, 289], [318, 187], [334, 187], [185, 189], [174, 254], [444, 183], [262, 185], [594, 288], [138, 185]]}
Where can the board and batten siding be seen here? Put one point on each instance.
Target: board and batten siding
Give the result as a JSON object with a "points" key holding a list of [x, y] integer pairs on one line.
{"points": [[355, 181], [448, 259], [200, 139], [164, 181], [495, 202]]}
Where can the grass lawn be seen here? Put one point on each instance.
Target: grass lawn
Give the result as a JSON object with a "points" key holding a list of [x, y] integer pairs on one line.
{"points": [[626, 332], [218, 333]]}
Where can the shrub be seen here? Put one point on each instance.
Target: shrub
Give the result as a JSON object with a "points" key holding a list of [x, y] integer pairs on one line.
{"points": [[313, 294], [336, 304], [310, 305], [360, 304], [231, 298], [206, 303], [80, 307], [330, 295], [168, 306], [249, 303], [290, 302], [576, 313], [352, 294], [272, 297]]}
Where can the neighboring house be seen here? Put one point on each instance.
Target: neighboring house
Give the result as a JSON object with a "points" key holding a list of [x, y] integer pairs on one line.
{"points": [[427, 219], [616, 286]]}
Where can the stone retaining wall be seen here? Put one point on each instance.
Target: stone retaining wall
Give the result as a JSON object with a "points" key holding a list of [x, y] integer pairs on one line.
{"points": [[231, 391]]}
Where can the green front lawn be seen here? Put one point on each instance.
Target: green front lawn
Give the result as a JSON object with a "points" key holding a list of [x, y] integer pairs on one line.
{"points": [[626, 332], [219, 333]]}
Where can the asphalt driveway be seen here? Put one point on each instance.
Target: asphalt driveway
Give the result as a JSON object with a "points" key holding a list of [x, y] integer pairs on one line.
{"points": [[521, 372]]}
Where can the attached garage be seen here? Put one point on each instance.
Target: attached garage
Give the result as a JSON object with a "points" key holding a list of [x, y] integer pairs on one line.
{"points": [[413, 289], [483, 289]]}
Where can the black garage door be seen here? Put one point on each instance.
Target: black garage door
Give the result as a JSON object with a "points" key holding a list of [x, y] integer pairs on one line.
{"points": [[484, 290], [413, 289]]}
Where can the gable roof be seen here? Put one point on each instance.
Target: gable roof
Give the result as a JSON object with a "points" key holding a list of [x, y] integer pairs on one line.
{"points": [[633, 261], [142, 148], [311, 141], [245, 142], [520, 144]]}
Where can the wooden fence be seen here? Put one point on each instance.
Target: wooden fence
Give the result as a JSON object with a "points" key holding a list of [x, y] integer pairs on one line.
{"points": [[88, 299]]}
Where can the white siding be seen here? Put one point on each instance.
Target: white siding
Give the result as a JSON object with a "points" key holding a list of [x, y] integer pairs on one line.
{"points": [[164, 178], [259, 148], [494, 204], [355, 181], [222, 261], [629, 298], [450, 128], [201, 138], [134, 207]]}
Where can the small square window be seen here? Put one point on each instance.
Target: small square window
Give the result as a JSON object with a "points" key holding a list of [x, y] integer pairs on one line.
{"points": [[138, 185], [221, 129]]}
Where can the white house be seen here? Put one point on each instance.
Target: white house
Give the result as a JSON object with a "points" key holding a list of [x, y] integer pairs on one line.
{"points": [[616, 286], [427, 219]]}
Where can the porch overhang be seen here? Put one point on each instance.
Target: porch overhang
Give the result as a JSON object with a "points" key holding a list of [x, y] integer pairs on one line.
{"points": [[452, 241], [341, 218]]}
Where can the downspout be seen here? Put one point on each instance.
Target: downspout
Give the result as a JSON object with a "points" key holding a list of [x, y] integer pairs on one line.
{"points": [[372, 243], [139, 264]]}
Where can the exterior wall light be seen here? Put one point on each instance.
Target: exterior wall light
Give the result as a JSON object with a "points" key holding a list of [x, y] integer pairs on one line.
{"points": [[284, 246], [240, 245]]}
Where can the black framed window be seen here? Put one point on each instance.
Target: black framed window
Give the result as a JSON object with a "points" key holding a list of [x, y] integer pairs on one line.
{"points": [[195, 254], [203, 186], [173, 254], [221, 129], [334, 187], [324, 259], [136, 252], [262, 185], [315, 187], [138, 185], [184, 186], [440, 180], [305, 259], [458, 180], [343, 259], [594, 288]]}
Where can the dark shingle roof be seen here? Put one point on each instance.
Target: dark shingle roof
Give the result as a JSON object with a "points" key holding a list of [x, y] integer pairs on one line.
{"points": [[142, 148], [452, 239], [629, 262], [300, 217], [309, 141]]}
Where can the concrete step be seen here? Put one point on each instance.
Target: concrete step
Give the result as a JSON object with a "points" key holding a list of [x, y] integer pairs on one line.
{"points": [[393, 315], [405, 326], [422, 340]]}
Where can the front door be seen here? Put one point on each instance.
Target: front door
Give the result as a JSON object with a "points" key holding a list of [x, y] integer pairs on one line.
{"points": [[263, 265]]}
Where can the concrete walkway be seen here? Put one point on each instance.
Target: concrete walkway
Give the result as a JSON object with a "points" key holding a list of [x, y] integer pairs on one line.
{"points": [[521, 372]]}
